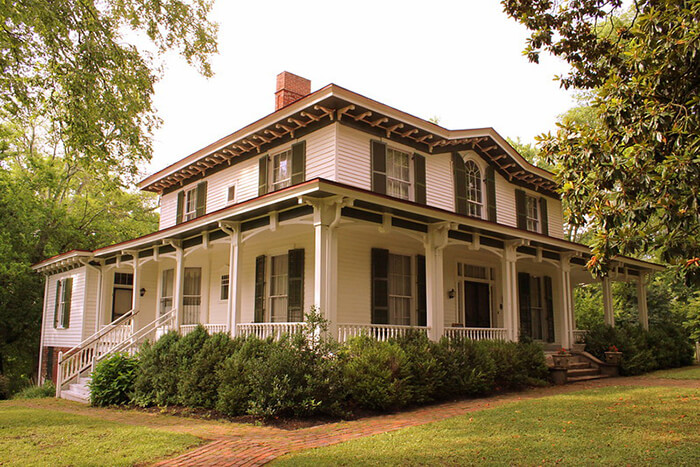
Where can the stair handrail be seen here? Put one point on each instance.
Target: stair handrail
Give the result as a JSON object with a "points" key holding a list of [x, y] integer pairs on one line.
{"points": [[99, 333], [127, 344]]}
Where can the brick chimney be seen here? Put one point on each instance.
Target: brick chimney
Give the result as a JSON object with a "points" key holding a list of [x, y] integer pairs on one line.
{"points": [[290, 88]]}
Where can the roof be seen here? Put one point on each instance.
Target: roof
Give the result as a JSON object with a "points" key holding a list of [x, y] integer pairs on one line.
{"points": [[333, 103]]}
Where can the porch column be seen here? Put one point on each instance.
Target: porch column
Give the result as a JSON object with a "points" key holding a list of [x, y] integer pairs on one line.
{"points": [[136, 291], [642, 301], [178, 286], [608, 313], [233, 315], [436, 242], [510, 291], [324, 261], [566, 301]]}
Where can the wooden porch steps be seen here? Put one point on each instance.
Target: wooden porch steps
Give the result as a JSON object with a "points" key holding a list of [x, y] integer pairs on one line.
{"points": [[583, 366], [78, 391]]}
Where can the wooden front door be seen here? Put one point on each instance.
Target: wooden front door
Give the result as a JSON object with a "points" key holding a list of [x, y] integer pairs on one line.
{"points": [[477, 304]]}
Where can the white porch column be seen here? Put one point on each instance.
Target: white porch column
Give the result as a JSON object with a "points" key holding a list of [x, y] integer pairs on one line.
{"points": [[233, 315], [642, 301], [566, 301], [608, 313], [136, 291], [324, 262], [436, 242], [510, 291], [178, 286]]}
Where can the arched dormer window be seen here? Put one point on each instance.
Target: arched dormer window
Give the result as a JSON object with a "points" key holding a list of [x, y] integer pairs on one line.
{"points": [[475, 196]]}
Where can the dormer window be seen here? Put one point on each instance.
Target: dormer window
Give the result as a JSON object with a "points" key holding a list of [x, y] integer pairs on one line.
{"points": [[474, 190]]}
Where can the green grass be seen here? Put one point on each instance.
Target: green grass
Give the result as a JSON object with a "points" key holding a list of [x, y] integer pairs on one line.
{"points": [[610, 426], [30, 436], [689, 372]]}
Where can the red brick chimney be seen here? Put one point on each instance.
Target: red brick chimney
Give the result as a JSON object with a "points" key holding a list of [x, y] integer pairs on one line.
{"points": [[290, 88]]}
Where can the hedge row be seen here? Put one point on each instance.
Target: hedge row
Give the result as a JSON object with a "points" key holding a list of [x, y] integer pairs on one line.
{"points": [[301, 376], [663, 346]]}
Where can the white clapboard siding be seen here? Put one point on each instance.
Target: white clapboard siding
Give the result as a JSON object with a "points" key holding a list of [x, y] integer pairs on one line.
{"points": [[438, 180], [505, 202], [556, 218], [90, 302], [271, 244], [73, 334], [219, 257], [353, 158], [320, 153]]}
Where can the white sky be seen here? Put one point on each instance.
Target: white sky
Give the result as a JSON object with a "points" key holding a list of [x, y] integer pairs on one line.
{"points": [[460, 61]]}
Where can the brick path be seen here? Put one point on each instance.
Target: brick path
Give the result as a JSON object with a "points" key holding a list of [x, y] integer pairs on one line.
{"points": [[263, 444]]}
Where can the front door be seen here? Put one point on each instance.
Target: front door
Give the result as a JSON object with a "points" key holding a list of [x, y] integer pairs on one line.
{"points": [[477, 304], [122, 294]]}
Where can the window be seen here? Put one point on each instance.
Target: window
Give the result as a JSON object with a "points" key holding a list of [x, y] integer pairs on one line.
{"points": [[532, 213], [474, 191], [398, 173], [123, 278], [281, 170], [166, 291], [400, 292], [279, 276], [191, 295], [64, 291], [224, 287], [474, 295], [231, 196], [122, 294], [190, 204]]}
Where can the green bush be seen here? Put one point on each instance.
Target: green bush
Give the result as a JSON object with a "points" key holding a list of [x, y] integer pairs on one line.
{"points": [[113, 380], [48, 389], [4, 387], [469, 369], [425, 370], [376, 373], [158, 373], [664, 346]]}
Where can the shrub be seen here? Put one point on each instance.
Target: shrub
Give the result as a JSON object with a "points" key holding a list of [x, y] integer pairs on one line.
{"points": [[48, 389], [158, 374], [376, 373], [4, 387], [113, 380], [468, 368]]}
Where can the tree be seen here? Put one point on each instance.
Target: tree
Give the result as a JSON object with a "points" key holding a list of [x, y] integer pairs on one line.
{"points": [[72, 62], [635, 176]]}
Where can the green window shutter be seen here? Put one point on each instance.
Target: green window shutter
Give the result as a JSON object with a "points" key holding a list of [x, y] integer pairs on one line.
{"points": [[57, 304], [490, 194], [262, 176], [201, 198], [298, 162], [259, 289], [521, 209], [524, 299], [180, 207], [421, 296], [67, 295], [419, 179], [544, 221], [460, 183], [380, 286], [378, 154], [295, 286], [549, 307]]}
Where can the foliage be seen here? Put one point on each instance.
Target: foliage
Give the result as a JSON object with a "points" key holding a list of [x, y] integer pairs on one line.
{"points": [[40, 433], [664, 346], [424, 365], [608, 426], [4, 387], [113, 380], [468, 368], [48, 389], [635, 177], [158, 372]]}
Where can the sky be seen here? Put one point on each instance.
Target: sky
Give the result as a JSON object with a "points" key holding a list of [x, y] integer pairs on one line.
{"points": [[459, 61]]}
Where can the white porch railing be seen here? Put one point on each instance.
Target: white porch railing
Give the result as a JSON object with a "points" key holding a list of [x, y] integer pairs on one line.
{"points": [[381, 332], [84, 355], [265, 330], [579, 336], [211, 328], [476, 334]]}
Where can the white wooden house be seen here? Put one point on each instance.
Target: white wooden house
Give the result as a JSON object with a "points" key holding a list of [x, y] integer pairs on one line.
{"points": [[382, 220]]}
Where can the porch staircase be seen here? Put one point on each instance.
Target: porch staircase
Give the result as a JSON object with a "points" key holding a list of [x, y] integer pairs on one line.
{"points": [[585, 367], [75, 366]]}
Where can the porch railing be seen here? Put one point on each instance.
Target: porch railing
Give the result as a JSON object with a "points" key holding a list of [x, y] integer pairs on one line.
{"points": [[211, 328], [381, 332], [84, 355], [476, 334], [265, 330]]}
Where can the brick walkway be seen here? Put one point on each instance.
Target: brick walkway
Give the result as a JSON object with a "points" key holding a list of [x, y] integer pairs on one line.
{"points": [[267, 443]]}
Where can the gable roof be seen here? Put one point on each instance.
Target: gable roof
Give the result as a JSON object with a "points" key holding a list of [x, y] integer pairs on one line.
{"points": [[331, 104]]}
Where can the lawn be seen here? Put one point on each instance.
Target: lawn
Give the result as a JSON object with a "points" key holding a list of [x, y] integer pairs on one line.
{"points": [[34, 436], [688, 372], [609, 426]]}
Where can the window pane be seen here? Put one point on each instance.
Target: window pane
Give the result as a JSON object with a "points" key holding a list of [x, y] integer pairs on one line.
{"points": [[400, 292], [279, 287], [224, 287]]}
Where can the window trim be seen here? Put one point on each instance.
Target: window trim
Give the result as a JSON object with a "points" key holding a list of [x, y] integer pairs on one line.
{"points": [[224, 285], [481, 205], [411, 176], [271, 280], [189, 215], [230, 200], [287, 182], [411, 277], [536, 221], [490, 280], [61, 302]]}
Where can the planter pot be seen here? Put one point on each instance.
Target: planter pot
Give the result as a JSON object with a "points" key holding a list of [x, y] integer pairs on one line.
{"points": [[613, 358], [561, 360], [558, 375]]}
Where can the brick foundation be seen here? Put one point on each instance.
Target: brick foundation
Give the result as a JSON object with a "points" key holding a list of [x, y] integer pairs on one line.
{"points": [[49, 362]]}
